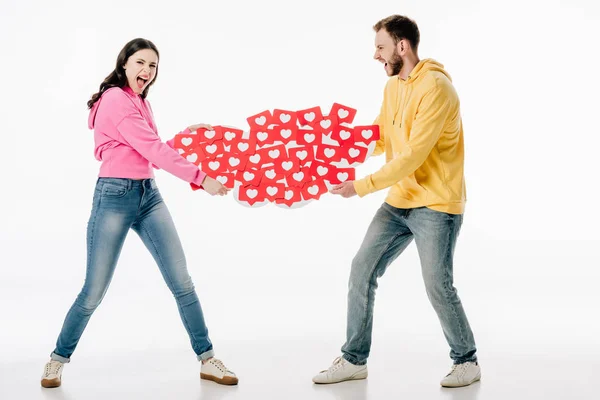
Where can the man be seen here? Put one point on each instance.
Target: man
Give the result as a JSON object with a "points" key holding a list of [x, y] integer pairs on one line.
{"points": [[422, 137]]}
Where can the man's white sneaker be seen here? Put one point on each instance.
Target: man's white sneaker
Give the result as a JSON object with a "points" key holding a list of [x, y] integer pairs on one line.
{"points": [[341, 370], [214, 370], [52, 374], [462, 375]]}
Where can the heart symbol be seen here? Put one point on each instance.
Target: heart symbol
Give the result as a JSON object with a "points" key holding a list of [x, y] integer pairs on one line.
{"points": [[329, 153], [302, 154], [314, 189], [298, 176], [274, 154], [325, 123], [342, 176], [209, 134], [343, 113], [243, 146], [248, 176], [287, 165], [192, 158], [255, 159], [270, 174], [322, 170], [229, 136], [353, 152], [214, 165], [345, 134], [260, 120], [367, 133], [180, 151], [234, 162], [309, 116], [286, 133], [262, 136], [285, 118], [212, 148], [272, 190], [309, 137], [289, 194], [251, 193], [222, 179], [186, 141]]}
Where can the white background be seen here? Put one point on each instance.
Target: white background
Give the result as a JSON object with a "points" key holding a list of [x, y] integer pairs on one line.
{"points": [[273, 281]]}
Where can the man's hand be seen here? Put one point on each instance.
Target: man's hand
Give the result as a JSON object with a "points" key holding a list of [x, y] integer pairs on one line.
{"points": [[214, 187], [345, 189]]}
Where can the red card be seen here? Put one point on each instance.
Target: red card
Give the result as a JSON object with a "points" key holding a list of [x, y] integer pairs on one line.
{"points": [[355, 154], [206, 136], [227, 179], [291, 195], [249, 177], [325, 126], [263, 136], [284, 117], [214, 166], [304, 154], [285, 134], [314, 189], [245, 147], [342, 113], [343, 135], [308, 137], [273, 191], [286, 165], [320, 170], [230, 135], [309, 116], [329, 153], [236, 162], [366, 134], [273, 153], [339, 175], [212, 150], [299, 178], [261, 120], [270, 174], [195, 156], [251, 194], [185, 141]]}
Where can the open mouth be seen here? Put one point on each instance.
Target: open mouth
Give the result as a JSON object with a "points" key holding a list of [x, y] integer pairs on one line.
{"points": [[141, 82]]}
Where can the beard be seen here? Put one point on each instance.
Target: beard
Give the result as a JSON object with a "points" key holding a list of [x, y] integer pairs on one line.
{"points": [[395, 63]]}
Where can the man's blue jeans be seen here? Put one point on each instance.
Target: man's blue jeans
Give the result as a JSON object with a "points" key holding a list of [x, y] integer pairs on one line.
{"points": [[390, 232]]}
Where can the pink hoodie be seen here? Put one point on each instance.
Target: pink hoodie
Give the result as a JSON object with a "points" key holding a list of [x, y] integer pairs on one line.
{"points": [[127, 141]]}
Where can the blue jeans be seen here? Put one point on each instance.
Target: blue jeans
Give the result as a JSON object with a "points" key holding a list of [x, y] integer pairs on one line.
{"points": [[390, 232], [120, 204]]}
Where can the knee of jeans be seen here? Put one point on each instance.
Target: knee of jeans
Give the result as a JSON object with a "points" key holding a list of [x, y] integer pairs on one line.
{"points": [[89, 301], [439, 290], [183, 287]]}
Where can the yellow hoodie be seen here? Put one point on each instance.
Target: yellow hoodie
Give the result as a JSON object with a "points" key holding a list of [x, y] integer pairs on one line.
{"points": [[422, 136]]}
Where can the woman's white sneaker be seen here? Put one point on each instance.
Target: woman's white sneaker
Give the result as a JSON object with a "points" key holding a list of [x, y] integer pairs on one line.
{"points": [[214, 370], [341, 370], [52, 374], [462, 375]]}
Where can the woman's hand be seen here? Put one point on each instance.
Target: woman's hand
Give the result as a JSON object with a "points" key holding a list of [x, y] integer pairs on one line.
{"points": [[214, 187], [194, 128]]}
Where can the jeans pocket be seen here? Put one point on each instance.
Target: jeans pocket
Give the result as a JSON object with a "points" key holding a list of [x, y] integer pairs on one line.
{"points": [[113, 190]]}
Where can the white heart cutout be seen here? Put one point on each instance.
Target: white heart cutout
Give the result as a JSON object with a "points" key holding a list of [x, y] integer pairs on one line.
{"points": [[322, 170], [325, 123], [310, 117], [343, 113], [289, 194], [192, 158], [180, 151], [254, 159], [234, 162], [298, 176], [367, 133], [260, 120], [302, 154], [222, 179], [248, 176], [274, 153], [214, 165], [285, 118], [229, 135], [353, 152], [309, 137], [329, 153], [272, 190], [212, 148], [345, 135], [186, 141], [287, 165], [243, 146], [286, 133], [251, 193], [270, 174], [262, 136], [313, 190], [209, 134], [342, 176]]}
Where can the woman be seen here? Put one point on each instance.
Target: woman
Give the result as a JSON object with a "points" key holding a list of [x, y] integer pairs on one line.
{"points": [[126, 196]]}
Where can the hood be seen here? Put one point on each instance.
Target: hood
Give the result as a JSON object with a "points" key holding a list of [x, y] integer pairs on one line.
{"points": [[425, 66]]}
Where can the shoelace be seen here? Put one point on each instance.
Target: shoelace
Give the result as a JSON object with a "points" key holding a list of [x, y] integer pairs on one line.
{"points": [[337, 363], [458, 368], [219, 364], [53, 367]]}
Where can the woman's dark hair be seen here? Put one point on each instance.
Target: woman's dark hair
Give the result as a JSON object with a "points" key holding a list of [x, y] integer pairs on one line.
{"points": [[117, 78]]}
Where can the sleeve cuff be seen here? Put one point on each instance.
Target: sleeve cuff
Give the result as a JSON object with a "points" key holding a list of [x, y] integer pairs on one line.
{"points": [[361, 187]]}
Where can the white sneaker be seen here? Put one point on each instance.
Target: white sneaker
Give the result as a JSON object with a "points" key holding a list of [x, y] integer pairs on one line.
{"points": [[462, 375], [341, 370], [214, 370], [52, 374]]}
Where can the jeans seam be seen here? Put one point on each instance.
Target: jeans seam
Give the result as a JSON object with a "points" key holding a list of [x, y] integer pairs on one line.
{"points": [[185, 321]]}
